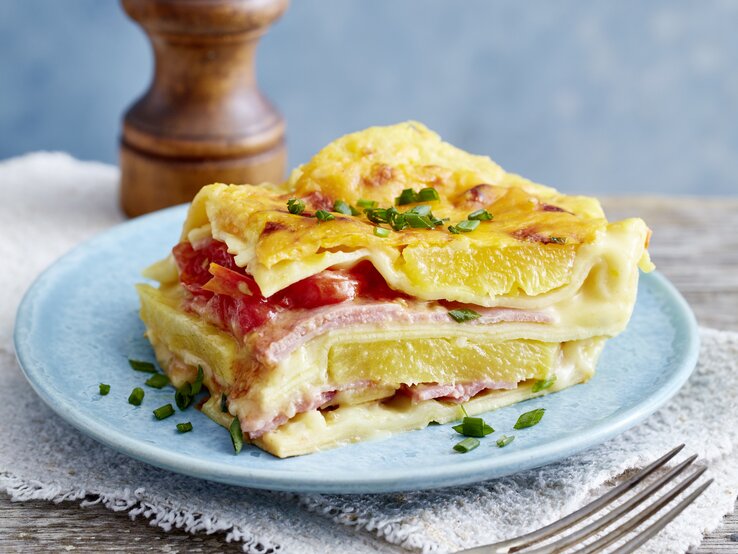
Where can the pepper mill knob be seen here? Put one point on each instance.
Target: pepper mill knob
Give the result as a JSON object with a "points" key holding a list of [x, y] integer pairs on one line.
{"points": [[203, 118]]}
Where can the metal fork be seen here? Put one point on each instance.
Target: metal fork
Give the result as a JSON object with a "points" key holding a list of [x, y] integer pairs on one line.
{"points": [[577, 537]]}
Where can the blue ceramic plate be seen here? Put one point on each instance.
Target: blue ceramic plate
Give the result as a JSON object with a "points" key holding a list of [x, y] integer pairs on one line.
{"points": [[78, 325]]}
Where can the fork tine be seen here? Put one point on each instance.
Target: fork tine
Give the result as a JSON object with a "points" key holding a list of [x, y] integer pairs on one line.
{"points": [[642, 516], [662, 522], [587, 531], [584, 512]]}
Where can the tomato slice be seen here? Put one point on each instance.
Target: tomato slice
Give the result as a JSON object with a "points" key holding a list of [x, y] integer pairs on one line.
{"points": [[324, 288], [229, 282], [239, 315], [372, 283], [194, 264], [235, 303]]}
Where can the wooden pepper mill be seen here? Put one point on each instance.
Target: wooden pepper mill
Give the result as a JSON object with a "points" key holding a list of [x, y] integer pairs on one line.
{"points": [[203, 118]]}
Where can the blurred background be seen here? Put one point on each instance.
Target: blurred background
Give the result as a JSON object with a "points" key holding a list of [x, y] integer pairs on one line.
{"points": [[604, 97]]}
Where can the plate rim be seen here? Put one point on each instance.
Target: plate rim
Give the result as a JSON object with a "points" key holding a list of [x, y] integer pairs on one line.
{"points": [[445, 475]]}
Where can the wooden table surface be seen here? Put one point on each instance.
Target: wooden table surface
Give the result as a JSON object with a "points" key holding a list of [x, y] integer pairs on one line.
{"points": [[695, 244]]}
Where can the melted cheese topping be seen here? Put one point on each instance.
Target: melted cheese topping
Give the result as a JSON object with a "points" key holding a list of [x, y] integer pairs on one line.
{"points": [[507, 261]]}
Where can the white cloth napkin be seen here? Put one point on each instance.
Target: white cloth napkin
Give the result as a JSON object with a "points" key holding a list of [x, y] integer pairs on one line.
{"points": [[49, 202]]}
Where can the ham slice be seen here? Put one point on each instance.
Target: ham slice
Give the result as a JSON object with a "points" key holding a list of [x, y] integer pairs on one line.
{"points": [[286, 332], [459, 392], [254, 427], [254, 424]]}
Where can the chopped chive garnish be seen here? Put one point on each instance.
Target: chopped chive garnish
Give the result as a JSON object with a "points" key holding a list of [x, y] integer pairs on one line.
{"points": [[418, 217], [473, 427], [453, 230], [197, 385], [223, 403], [184, 427], [342, 207], [467, 445], [463, 410], [381, 232], [377, 215], [183, 396], [480, 215], [163, 412], [428, 195], [387, 215], [363, 203], [463, 314], [557, 240], [187, 392], [158, 381], [397, 220], [485, 428], [295, 206], [468, 225], [104, 389], [529, 419], [146, 367], [417, 221], [236, 435], [399, 224], [423, 209], [541, 384], [322, 215], [407, 196], [504, 440], [354, 211], [137, 396]]}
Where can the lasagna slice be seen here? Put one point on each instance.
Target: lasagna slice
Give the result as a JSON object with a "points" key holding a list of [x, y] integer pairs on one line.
{"points": [[390, 281]]}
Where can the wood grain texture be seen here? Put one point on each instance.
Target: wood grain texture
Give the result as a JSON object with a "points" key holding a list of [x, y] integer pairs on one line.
{"points": [[695, 243], [39, 526], [203, 118]]}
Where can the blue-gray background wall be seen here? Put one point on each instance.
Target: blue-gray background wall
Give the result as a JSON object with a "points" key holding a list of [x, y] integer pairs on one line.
{"points": [[595, 96]]}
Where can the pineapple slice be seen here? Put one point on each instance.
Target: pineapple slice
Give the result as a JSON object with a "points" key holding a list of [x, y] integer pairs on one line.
{"points": [[440, 360]]}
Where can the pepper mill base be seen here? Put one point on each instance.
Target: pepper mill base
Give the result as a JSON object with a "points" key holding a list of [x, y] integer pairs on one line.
{"points": [[150, 183]]}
